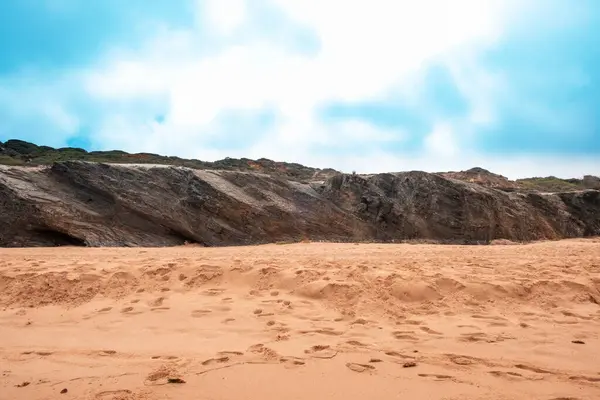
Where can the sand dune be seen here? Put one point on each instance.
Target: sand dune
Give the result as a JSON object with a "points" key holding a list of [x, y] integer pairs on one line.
{"points": [[302, 321]]}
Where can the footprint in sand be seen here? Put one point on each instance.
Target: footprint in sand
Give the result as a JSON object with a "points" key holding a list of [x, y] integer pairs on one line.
{"points": [[170, 358], [464, 360], [200, 313], [436, 376], [166, 373], [585, 378], [282, 337], [356, 343], [324, 331], [404, 335], [403, 358], [533, 369], [497, 324], [39, 353], [572, 314], [489, 317], [291, 362], [467, 326], [230, 353], [412, 322], [263, 351], [360, 367], [321, 351], [127, 309], [219, 360], [393, 354], [271, 301], [430, 331], [157, 302], [105, 309], [473, 337], [213, 291], [506, 375], [565, 398], [113, 394], [561, 322]]}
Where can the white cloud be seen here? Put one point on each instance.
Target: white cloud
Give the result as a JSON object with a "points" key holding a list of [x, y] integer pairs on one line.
{"points": [[225, 16], [441, 142], [63, 120], [37, 109], [367, 49]]}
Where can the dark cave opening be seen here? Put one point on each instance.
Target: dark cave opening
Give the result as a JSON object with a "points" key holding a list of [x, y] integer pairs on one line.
{"points": [[182, 237], [53, 237]]}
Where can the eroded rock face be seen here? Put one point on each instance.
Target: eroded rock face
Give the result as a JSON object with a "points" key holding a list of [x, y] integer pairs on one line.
{"points": [[591, 182], [418, 205], [80, 203]]}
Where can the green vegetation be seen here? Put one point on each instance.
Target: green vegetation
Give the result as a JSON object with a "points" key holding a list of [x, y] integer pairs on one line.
{"points": [[551, 184], [7, 160], [21, 153], [18, 152]]}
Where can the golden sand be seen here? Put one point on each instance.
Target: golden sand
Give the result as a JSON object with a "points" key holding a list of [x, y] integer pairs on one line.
{"points": [[302, 321]]}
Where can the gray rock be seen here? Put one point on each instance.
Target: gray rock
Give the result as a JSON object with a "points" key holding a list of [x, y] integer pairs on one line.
{"points": [[91, 204]]}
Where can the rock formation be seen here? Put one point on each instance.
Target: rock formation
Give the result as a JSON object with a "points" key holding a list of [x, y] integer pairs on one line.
{"points": [[96, 204], [483, 177]]}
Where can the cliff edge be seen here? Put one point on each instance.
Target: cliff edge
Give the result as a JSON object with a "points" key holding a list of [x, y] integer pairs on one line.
{"points": [[97, 204]]}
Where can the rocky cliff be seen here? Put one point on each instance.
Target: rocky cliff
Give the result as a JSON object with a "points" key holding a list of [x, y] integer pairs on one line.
{"points": [[95, 204]]}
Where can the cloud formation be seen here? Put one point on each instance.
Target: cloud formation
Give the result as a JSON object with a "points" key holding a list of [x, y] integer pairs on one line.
{"points": [[365, 85]]}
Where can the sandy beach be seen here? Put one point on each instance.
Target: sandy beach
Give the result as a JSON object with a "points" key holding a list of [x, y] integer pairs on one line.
{"points": [[302, 321]]}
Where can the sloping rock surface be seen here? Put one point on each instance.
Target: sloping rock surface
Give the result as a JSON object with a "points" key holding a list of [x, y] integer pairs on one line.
{"points": [[483, 177], [94, 204]]}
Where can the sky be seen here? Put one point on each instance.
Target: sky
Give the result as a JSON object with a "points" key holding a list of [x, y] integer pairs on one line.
{"points": [[512, 86]]}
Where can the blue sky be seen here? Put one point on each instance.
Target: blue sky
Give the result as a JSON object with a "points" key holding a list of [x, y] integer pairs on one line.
{"points": [[378, 85]]}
